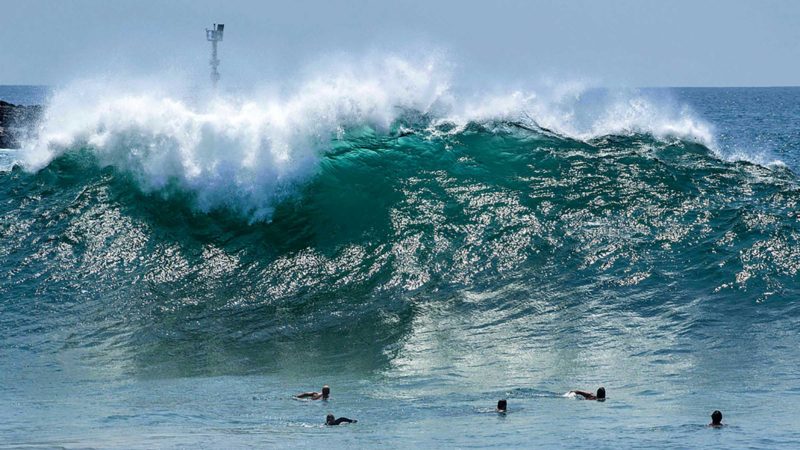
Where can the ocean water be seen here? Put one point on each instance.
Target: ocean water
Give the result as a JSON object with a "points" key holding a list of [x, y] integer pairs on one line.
{"points": [[174, 269]]}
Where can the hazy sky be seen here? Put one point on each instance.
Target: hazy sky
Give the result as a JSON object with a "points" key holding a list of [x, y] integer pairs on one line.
{"points": [[619, 43]]}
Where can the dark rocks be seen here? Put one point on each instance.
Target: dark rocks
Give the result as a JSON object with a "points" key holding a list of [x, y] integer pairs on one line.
{"points": [[17, 122]]}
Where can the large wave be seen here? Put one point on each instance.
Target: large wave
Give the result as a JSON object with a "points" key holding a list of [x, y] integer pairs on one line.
{"points": [[369, 198], [248, 153]]}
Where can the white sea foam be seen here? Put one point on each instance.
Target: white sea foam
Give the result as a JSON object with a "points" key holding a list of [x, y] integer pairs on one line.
{"points": [[243, 155], [8, 158], [573, 110], [248, 154]]}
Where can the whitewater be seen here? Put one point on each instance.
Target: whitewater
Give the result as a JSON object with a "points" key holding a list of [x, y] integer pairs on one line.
{"points": [[247, 154], [176, 264]]}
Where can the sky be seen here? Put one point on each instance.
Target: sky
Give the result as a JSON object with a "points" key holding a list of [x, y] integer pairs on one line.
{"points": [[635, 43]]}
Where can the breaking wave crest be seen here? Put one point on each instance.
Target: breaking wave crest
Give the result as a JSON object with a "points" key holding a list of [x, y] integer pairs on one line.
{"points": [[247, 154]]}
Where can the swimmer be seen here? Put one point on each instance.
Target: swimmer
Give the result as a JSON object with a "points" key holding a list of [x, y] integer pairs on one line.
{"points": [[502, 406], [601, 394], [331, 420], [326, 391], [716, 420]]}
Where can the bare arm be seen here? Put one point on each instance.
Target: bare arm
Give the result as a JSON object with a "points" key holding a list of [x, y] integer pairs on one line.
{"points": [[584, 394], [307, 395]]}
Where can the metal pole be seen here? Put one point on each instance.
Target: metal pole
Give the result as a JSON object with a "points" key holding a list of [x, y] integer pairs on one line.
{"points": [[214, 64], [214, 35]]}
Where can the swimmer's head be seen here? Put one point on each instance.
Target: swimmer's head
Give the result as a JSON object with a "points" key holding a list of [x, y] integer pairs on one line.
{"points": [[716, 418], [326, 391], [502, 405], [330, 419], [601, 392]]}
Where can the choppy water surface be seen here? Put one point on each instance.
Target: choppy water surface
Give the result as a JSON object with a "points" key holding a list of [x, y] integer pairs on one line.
{"points": [[171, 278]]}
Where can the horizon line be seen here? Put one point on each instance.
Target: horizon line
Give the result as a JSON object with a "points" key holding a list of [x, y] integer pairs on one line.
{"points": [[775, 86]]}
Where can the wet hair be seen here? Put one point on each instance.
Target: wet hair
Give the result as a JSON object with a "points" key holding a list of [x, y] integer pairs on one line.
{"points": [[501, 405], [601, 392], [326, 391], [330, 419], [716, 418]]}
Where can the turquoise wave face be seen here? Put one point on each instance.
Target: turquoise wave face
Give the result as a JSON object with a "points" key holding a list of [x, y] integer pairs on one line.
{"points": [[496, 223]]}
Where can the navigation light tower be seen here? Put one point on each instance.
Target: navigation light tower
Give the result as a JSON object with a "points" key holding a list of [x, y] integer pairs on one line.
{"points": [[214, 35]]}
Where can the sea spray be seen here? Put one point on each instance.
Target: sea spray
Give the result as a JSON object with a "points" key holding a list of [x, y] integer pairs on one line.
{"points": [[243, 155], [248, 154]]}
